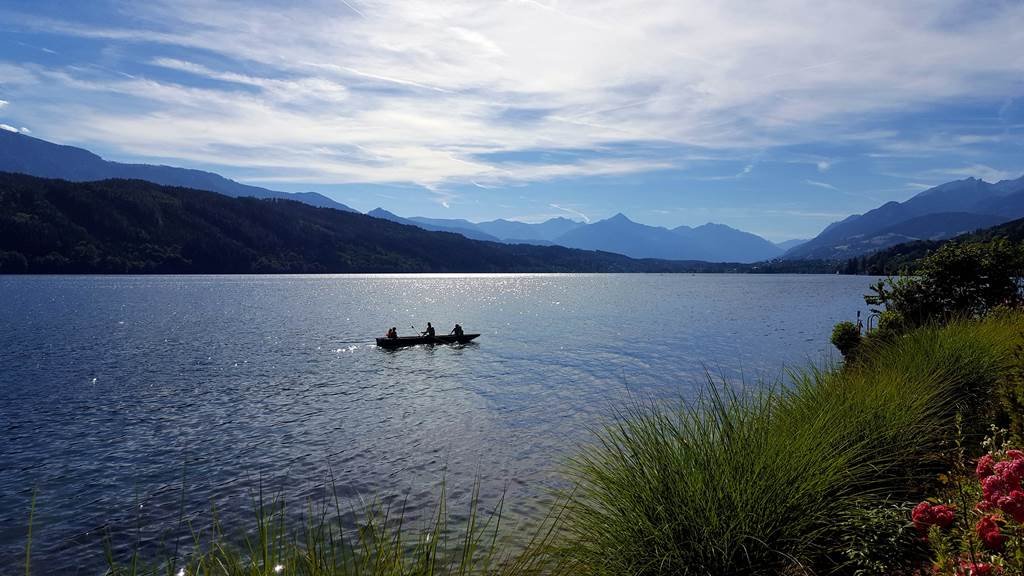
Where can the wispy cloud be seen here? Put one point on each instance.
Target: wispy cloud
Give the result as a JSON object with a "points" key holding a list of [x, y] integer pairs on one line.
{"points": [[918, 186], [987, 173], [572, 211], [820, 184], [746, 170], [418, 91], [352, 8]]}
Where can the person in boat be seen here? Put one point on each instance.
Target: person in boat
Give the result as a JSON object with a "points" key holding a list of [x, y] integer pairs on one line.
{"points": [[429, 331], [457, 330], [393, 332]]}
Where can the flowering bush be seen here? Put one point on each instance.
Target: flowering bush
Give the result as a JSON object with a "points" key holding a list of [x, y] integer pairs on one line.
{"points": [[987, 538], [926, 515]]}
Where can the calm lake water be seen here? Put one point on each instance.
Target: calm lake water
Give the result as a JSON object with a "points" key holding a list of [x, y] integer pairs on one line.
{"points": [[119, 391]]}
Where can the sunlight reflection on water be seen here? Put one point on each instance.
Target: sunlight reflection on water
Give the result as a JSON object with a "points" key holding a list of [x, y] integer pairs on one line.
{"points": [[117, 388]]}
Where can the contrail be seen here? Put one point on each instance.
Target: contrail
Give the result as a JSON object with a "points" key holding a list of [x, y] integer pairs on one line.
{"points": [[353, 8], [571, 211]]}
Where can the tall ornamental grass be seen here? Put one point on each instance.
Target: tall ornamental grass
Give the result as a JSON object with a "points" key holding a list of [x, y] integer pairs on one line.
{"points": [[378, 541], [763, 482]]}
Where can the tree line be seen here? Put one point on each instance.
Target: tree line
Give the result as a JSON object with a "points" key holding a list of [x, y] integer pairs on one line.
{"points": [[132, 226]]}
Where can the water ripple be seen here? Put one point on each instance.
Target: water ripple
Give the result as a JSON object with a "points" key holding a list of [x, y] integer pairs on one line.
{"points": [[120, 391]]}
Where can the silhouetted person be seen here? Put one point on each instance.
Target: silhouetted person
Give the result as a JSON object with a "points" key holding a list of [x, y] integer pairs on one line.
{"points": [[393, 333], [457, 330], [429, 331]]}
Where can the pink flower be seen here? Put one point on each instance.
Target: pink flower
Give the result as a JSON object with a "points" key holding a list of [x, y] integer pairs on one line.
{"points": [[1015, 454], [1013, 505], [984, 468], [1009, 471], [993, 488], [1016, 468], [991, 536], [944, 516], [925, 514]]}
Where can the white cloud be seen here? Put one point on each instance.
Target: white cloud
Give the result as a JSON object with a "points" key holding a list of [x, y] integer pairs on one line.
{"points": [[572, 211], [819, 184], [986, 173], [979, 138], [8, 127], [3, 103], [918, 186], [746, 170], [425, 92]]}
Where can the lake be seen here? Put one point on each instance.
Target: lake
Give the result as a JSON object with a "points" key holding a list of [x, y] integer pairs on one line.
{"points": [[120, 391]]}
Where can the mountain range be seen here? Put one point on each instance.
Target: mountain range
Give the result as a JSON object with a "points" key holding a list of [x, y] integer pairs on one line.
{"points": [[938, 213], [28, 155], [712, 242], [618, 234], [514, 232], [135, 226], [907, 256], [467, 231]]}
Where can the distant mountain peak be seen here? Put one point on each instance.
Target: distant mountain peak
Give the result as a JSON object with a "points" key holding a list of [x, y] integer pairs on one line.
{"points": [[938, 212], [28, 155], [710, 242], [969, 185], [714, 226]]}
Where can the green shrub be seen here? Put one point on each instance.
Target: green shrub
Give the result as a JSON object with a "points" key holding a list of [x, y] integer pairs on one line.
{"points": [[959, 280], [846, 337], [892, 322], [882, 540]]}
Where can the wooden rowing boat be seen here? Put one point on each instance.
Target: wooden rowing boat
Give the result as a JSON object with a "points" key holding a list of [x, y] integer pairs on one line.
{"points": [[414, 340]]}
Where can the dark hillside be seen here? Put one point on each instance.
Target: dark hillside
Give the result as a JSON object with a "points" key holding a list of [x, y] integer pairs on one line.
{"points": [[133, 226], [904, 256]]}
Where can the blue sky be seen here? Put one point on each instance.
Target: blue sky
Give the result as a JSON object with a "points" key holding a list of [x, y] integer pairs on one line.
{"points": [[776, 118]]}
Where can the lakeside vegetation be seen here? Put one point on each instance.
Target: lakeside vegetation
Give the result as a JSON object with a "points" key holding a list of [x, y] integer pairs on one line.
{"points": [[826, 475], [815, 478]]}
